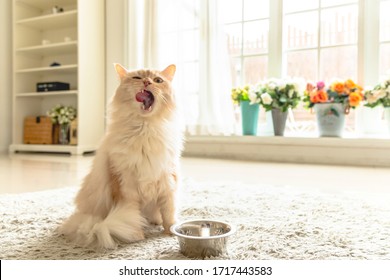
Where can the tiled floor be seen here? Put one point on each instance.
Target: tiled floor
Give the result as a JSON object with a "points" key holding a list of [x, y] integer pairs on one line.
{"points": [[35, 172]]}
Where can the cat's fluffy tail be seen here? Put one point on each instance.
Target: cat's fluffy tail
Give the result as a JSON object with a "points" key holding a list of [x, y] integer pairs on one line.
{"points": [[124, 223]]}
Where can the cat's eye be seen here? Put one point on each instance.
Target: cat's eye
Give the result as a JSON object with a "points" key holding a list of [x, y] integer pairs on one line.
{"points": [[137, 78], [158, 80]]}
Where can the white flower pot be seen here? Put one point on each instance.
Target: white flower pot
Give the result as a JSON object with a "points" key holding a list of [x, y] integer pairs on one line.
{"points": [[330, 119], [387, 117], [369, 120]]}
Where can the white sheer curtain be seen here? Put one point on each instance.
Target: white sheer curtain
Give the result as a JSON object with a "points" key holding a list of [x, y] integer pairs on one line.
{"points": [[142, 34], [216, 114], [209, 111]]}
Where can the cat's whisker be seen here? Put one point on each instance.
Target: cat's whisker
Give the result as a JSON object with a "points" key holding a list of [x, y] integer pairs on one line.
{"points": [[163, 98], [165, 101]]}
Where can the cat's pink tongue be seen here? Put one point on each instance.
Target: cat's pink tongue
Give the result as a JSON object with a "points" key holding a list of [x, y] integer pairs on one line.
{"points": [[142, 95], [145, 97]]}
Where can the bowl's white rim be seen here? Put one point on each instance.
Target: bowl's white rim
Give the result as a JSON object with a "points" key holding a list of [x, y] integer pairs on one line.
{"points": [[174, 232]]}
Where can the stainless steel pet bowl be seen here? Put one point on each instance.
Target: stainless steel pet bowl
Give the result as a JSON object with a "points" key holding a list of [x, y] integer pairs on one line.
{"points": [[202, 238]]}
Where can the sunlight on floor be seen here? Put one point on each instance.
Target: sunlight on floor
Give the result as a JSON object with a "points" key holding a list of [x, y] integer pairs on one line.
{"points": [[35, 172]]}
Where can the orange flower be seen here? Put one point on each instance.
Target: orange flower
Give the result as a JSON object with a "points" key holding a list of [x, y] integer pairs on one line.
{"points": [[350, 84], [309, 87], [318, 96], [338, 87], [355, 98], [360, 89]]}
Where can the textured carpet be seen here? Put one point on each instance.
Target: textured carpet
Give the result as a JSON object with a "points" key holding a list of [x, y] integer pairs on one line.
{"points": [[272, 223]]}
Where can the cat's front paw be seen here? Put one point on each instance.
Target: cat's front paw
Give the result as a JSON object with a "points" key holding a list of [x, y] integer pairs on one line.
{"points": [[155, 221], [167, 229], [167, 232]]}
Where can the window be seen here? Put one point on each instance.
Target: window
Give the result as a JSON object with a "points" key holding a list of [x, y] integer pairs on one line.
{"points": [[179, 42], [384, 38], [220, 44], [320, 43], [246, 25]]}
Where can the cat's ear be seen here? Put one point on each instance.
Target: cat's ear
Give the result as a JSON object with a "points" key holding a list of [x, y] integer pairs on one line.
{"points": [[122, 71], [169, 72]]}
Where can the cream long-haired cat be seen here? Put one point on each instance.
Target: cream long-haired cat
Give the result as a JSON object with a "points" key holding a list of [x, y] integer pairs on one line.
{"points": [[135, 171]]}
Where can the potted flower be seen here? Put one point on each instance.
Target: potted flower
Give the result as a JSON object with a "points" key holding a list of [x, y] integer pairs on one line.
{"points": [[62, 116], [332, 103], [249, 110], [277, 96], [379, 96]]}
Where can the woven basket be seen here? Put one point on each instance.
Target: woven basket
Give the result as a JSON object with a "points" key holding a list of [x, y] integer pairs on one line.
{"points": [[38, 130]]}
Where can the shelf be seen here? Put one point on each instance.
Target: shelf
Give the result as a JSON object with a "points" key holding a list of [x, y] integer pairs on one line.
{"points": [[47, 93], [45, 4], [51, 49], [42, 70], [51, 21], [68, 39], [67, 149]]}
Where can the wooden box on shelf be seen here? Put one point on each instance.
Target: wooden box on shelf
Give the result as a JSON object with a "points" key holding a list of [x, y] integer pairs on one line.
{"points": [[38, 130]]}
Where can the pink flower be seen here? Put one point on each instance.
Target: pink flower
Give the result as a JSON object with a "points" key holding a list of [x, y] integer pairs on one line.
{"points": [[320, 85]]}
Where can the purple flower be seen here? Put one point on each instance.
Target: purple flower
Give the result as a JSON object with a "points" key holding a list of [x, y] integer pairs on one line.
{"points": [[320, 85]]}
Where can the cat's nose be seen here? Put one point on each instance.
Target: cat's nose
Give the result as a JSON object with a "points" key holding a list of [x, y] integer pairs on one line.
{"points": [[146, 83]]}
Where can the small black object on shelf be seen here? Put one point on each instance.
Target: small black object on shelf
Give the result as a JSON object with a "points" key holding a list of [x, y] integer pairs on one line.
{"points": [[57, 9], [52, 86], [55, 64]]}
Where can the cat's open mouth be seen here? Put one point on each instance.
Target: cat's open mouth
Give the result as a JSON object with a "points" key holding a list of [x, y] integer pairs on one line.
{"points": [[146, 98]]}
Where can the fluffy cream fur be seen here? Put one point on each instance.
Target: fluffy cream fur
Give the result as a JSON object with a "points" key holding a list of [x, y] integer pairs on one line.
{"points": [[134, 175]]}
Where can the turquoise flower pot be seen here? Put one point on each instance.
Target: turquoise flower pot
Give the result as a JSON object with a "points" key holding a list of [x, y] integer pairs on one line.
{"points": [[249, 118]]}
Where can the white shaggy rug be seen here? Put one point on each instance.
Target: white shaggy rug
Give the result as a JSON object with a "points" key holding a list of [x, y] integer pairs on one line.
{"points": [[272, 223]]}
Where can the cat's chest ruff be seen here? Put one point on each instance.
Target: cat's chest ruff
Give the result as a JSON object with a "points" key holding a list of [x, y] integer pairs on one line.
{"points": [[145, 154], [147, 147]]}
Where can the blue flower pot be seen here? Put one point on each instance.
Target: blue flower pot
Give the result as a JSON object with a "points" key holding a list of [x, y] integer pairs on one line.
{"points": [[249, 118]]}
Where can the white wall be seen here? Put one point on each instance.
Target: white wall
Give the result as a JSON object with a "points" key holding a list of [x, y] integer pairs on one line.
{"points": [[115, 42], [5, 74]]}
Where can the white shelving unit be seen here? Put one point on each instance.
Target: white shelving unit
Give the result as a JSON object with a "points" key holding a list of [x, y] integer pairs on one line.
{"points": [[73, 38]]}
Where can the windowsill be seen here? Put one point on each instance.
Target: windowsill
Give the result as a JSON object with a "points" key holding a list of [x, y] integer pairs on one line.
{"points": [[323, 150]]}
